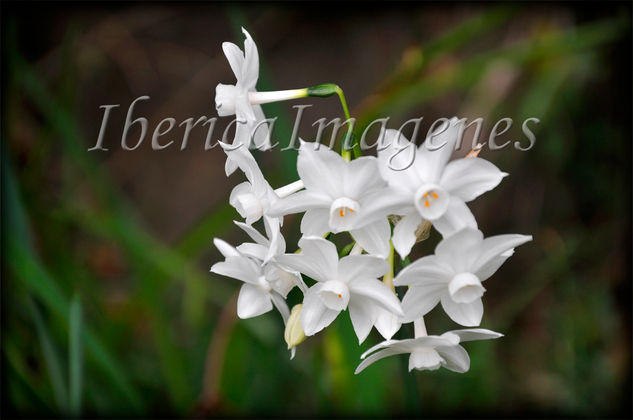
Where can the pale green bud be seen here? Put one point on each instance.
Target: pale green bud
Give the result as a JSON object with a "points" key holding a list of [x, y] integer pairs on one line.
{"points": [[294, 334]]}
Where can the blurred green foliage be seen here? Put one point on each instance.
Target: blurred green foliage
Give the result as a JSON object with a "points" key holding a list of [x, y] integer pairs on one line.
{"points": [[167, 341]]}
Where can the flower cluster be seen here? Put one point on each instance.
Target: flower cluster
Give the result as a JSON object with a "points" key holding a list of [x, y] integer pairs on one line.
{"points": [[386, 203]]}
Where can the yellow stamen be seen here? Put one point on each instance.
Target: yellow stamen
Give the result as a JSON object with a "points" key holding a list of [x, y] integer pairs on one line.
{"points": [[426, 203], [339, 296], [352, 210], [425, 195], [434, 195], [341, 212]]}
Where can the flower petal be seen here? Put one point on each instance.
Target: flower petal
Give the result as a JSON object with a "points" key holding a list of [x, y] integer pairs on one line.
{"points": [[426, 271], [250, 70], [363, 314], [466, 314], [361, 266], [321, 170], [235, 57], [225, 249], [281, 305], [459, 250], [299, 202], [387, 323], [456, 217], [473, 334], [468, 178], [434, 153], [318, 259], [252, 301], [491, 253], [315, 315], [396, 160], [252, 232], [315, 222], [389, 351], [240, 155], [374, 237], [361, 176], [240, 268], [252, 250], [404, 233], [418, 301], [378, 292], [455, 358], [260, 132]]}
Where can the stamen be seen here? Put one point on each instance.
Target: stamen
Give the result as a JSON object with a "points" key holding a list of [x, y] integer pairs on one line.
{"points": [[341, 213], [426, 203], [352, 210], [434, 195], [425, 195], [340, 296]]}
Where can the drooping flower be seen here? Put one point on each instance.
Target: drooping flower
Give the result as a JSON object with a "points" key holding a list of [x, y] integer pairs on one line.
{"points": [[430, 187], [454, 275], [257, 294], [349, 283], [430, 352], [340, 196], [243, 100], [253, 198]]}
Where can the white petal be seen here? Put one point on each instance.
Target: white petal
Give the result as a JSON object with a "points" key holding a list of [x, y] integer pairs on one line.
{"points": [[361, 177], [374, 237], [434, 153], [299, 202], [387, 323], [250, 70], [455, 358], [247, 163], [361, 267], [315, 315], [491, 253], [378, 292], [363, 314], [321, 170], [404, 233], [418, 301], [468, 178], [229, 166], [459, 250], [390, 351], [253, 250], [466, 314], [235, 56], [281, 306], [318, 259], [252, 232], [225, 249], [259, 130], [456, 217], [252, 301], [426, 271], [382, 203], [396, 160], [315, 222], [404, 345], [473, 334], [240, 268]]}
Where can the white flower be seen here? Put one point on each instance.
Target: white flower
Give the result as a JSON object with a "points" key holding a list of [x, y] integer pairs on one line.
{"points": [[340, 196], [350, 283], [429, 187], [454, 275], [242, 99], [257, 295], [253, 198], [265, 250], [430, 352]]}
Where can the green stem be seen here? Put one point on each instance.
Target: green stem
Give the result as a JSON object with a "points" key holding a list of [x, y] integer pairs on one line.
{"points": [[328, 89], [388, 278]]}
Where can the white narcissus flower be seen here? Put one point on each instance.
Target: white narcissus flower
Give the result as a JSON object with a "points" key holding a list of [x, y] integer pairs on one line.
{"points": [[431, 188], [454, 275], [265, 249], [257, 295], [253, 198], [350, 283], [430, 352], [242, 99], [340, 196]]}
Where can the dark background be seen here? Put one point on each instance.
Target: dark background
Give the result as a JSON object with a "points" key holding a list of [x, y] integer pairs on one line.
{"points": [[122, 240]]}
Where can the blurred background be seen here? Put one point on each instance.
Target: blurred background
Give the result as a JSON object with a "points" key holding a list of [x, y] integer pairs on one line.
{"points": [[108, 306]]}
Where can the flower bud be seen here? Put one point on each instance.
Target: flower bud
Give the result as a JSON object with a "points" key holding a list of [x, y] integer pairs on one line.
{"points": [[294, 334]]}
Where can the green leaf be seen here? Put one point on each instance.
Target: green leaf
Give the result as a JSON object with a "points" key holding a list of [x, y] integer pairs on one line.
{"points": [[75, 356]]}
